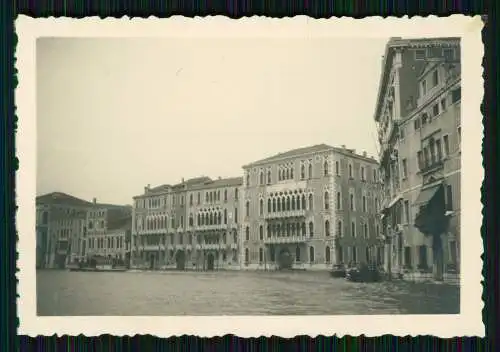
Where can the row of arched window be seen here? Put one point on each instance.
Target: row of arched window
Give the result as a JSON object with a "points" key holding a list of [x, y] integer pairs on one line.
{"points": [[288, 229]]}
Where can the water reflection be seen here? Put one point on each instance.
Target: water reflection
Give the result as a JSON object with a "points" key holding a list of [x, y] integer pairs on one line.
{"points": [[234, 293]]}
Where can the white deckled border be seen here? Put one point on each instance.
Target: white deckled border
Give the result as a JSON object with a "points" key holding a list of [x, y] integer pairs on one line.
{"points": [[468, 322]]}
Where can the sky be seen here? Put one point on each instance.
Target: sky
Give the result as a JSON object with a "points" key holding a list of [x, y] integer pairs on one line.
{"points": [[117, 114]]}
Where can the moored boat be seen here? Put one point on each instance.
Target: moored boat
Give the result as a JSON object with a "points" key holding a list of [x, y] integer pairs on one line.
{"points": [[338, 271], [363, 273]]}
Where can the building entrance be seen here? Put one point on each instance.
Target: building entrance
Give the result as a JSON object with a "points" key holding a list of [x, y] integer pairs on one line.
{"points": [[180, 260], [210, 261]]}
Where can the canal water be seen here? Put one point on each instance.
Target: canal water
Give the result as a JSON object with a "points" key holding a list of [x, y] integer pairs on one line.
{"points": [[64, 293]]}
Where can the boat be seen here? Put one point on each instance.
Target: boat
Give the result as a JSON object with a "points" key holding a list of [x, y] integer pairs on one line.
{"points": [[338, 270], [364, 273], [98, 264]]}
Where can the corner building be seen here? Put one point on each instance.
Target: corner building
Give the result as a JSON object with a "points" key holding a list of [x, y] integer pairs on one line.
{"points": [[418, 117], [309, 208]]}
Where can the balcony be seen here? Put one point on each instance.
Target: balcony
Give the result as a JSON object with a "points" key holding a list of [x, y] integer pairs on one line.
{"points": [[214, 227], [286, 240], [152, 247], [285, 214], [432, 167]]}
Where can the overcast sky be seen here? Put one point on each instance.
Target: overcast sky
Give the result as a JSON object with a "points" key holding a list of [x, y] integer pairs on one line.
{"points": [[114, 115]]}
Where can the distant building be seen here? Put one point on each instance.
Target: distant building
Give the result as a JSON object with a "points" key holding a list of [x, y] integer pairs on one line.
{"points": [[64, 225], [310, 207], [418, 117], [190, 225], [108, 232]]}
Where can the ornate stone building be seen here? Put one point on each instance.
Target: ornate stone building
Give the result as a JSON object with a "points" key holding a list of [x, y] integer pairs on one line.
{"points": [[310, 207], [418, 117], [191, 225]]}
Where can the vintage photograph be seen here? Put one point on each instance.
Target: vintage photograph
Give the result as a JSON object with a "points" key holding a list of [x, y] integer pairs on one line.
{"points": [[249, 176]]}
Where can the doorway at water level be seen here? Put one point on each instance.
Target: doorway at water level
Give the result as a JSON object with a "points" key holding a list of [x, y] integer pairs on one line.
{"points": [[210, 262]]}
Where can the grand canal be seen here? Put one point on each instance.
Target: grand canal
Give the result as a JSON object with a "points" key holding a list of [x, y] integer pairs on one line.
{"points": [[67, 293]]}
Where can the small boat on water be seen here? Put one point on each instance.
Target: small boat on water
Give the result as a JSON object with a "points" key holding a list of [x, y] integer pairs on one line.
{"points": [[338, 271], [98, 264], [364, 273]]}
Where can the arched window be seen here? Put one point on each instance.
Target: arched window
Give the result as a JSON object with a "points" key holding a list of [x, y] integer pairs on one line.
{"points": [[269, 205], [283, 204], [206, 197], [327, 201], [310, 171], [219, 218], [261, 178], [293, 229], [269, 176], [246, 256], [293, 202], [311, 229], [339, 228], [353, 229], [247, 208], [218, 195], [211, 197], [279, 204], [297, 254], [327, 228], [261, 232], [364, 204], [236, 193], [291, 173], [339, 201], [272, 254], [287, 203], [261, 207], [302, 172], [288, 229], [287, 174], [247, 233], [225, 216], [365, 230], [304, 201], [280, 177], [310, 202], [311, 254], [207, 219], [327, 254], [337, 168], [191, 220], [268, 231], [303, 229], [248, 180], [225, 195], [325, 167], [278, 230], [190, 199], [211, 219], [261, 255], [274, 205], [350, 171]]}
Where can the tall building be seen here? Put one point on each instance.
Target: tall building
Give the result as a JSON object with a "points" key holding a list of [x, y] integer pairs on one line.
{"points": [[190, 225], [310, 207], [418, 121]]}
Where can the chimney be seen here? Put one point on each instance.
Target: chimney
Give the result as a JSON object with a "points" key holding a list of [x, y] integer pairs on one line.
{"points": [[94, 200], [364, 154], [343, 146], [219, 178], [182, 180]]}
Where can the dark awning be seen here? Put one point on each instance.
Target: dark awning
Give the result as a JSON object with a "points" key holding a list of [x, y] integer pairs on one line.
{"points": [[427, 194]]}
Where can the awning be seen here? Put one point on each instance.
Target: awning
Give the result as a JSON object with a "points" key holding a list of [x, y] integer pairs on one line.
{"points": [[427, 194]]}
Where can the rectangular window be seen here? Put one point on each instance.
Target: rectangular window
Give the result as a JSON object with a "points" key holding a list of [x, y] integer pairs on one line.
{"points": [[355, 254], [423, 86], [407, 211], [375, 175], [337, 168], [420, 160], [446, 143], [405, 168], [420, 54], [443, 104], [339, 201], [364, 204], [439, 150], [235, 215], [416, 124], [362, 173], [449, 198], [351, 201], [353, 229], [435, 110], [459, 136], [456, 95], [435, 78]]}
